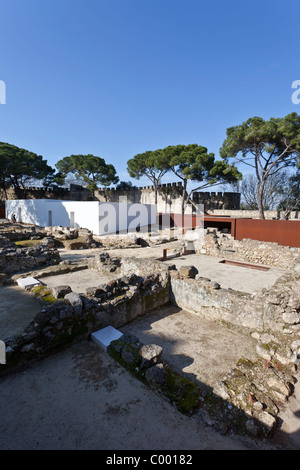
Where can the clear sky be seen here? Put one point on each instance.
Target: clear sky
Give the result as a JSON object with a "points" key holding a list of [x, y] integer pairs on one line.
{"points": [[118, 77]]}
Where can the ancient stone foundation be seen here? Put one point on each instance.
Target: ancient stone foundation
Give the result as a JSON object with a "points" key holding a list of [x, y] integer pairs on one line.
{"points": [[248, 397], [14, 259], [224, 246]]}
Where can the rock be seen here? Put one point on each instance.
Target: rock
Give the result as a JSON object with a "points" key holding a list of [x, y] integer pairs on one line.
{"points": [[291, 317], [156, 375], [188, 271], [264, 353], [214, 285], [268, 420], [103, 262], [59, 292], [201, 278], [94, 291], [295, 345], [130, 354], [278, 386], [251, 427], [294, 301], [48, 242], [151, 355], [297, 268], [75, 301]]}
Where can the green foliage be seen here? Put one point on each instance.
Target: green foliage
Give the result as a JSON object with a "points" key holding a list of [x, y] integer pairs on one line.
{"points": [[188, 162], [92, 169], [266, 146], [124, 186], [19, 166], [193, 162], [151, 164]]}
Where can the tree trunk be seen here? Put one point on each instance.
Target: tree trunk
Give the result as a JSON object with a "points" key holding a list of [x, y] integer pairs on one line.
{"points": [[260, 197], [183, 196], [155, 192]]}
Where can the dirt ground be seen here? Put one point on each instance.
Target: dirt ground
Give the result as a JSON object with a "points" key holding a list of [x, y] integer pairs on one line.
{"points": [[17, 309], [195, 347], [82, 399]]}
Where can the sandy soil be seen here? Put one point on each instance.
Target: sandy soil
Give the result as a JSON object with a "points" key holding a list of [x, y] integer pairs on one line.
{"points": [[82, 399]]}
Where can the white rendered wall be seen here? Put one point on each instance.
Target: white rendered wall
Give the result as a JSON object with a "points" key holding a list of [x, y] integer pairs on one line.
{"points": [[114, 216], [100, 218], [36, 211]]}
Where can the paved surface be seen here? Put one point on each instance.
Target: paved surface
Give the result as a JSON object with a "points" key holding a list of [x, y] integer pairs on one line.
{"points": [[236, 277], [228, 276], [78, 280]]}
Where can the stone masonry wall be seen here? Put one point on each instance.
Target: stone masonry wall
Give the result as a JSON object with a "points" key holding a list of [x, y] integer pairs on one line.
{"points": [[252, 251], [13, 259], [66, 316], [252, 214], [169, 196]]}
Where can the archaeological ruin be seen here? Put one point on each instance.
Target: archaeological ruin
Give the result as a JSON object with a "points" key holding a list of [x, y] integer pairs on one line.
{"points": [[212, 324]]}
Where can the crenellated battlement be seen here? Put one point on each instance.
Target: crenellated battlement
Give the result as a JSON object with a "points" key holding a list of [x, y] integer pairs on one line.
{"points": [[168, 198]]}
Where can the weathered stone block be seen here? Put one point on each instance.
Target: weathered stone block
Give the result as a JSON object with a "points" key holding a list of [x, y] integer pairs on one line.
{"points": [[59, 292], [151, 355], [75, 301], [188, 271], [156, 375]]}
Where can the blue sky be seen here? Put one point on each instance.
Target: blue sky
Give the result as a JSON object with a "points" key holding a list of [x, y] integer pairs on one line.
{"points": [[118, 77]]}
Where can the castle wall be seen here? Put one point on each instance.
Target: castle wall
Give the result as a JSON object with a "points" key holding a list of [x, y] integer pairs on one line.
{"points": [[168, 199]]}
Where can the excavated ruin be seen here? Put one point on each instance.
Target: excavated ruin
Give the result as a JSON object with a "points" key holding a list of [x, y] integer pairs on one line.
{"points": [[248, 396]]}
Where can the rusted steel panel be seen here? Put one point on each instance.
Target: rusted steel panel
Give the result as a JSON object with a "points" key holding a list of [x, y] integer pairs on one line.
{"points": [[284, 232]]}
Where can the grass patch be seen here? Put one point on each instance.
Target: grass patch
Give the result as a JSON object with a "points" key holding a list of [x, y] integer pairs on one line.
{"points": [[44, 293], [27, 243]]}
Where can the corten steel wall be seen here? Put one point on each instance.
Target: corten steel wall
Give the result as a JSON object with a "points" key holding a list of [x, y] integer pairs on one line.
{"points": [[284, 232]]}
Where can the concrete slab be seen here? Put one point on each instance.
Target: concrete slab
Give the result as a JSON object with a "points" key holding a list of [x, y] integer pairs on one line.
{"points": [[78, 280], [27, 282], [142, 252], [105, 336], [235, 277]]}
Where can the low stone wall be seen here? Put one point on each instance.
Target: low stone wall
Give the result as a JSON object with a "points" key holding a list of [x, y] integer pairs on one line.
{"points": [[252, 251], [276, 310], [272, 317], [66, 316], [252, 214], [13, 259]]}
